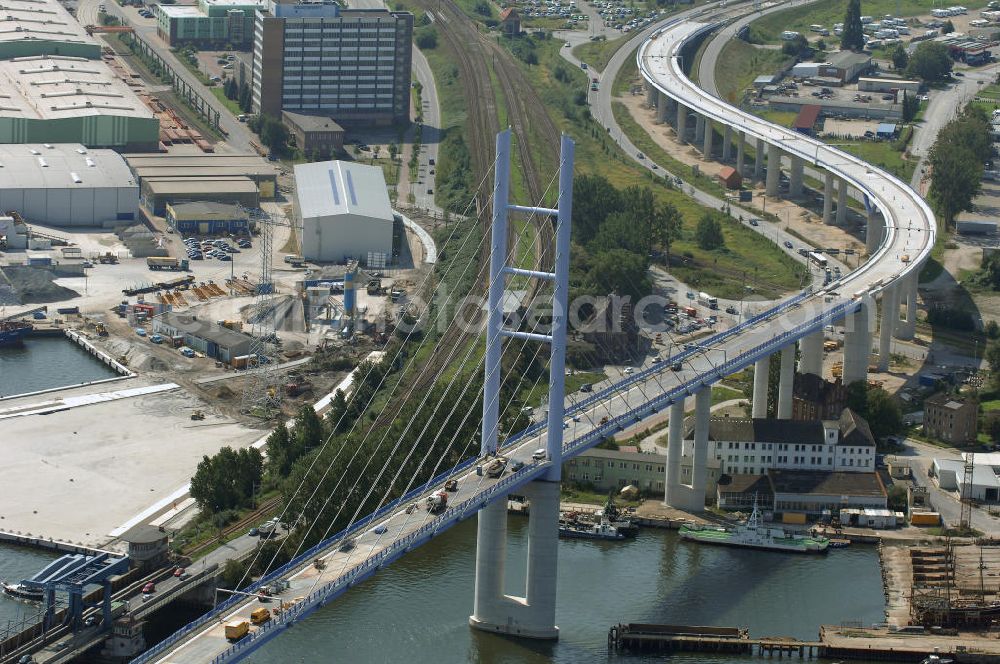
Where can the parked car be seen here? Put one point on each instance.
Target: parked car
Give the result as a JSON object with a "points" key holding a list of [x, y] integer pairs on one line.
{"points": [[788, 245]]}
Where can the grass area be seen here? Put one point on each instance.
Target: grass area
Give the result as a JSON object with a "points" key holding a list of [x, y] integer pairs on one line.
{"points": [[642, 140], [230, 104], [597, 54], [768, 29], [782, 118], [721, 393], [987, 406], [934, 266], [748, 259], [740, 63], [884, 154], [532, 396]]}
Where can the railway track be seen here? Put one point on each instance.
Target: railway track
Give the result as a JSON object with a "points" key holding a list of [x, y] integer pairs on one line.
{"points": [[266, 508]]}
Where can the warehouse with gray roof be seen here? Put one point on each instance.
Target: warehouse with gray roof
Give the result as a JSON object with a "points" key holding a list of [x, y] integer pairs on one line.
{"points": [[54, 86], [345, 212], [67, 185]]}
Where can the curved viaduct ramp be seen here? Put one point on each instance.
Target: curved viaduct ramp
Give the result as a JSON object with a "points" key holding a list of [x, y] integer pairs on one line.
{"points": [[905, 235]]}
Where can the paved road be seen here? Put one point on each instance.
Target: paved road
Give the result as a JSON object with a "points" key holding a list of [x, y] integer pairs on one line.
{"points": [[238, 135]]}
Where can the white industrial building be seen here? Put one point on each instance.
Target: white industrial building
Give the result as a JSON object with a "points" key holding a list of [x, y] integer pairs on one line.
{"points": [[985, 488], [345, 212], [66, 184]]}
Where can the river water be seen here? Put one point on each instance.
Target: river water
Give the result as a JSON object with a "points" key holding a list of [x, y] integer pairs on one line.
{"points": [[416, 611], [46, 362], [18, 563]]}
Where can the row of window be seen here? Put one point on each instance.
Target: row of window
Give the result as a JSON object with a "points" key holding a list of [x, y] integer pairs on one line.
{"points": [[585, 477]]}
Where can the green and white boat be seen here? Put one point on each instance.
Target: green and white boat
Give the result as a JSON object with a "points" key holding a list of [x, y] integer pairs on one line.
{"points": [[755, 535]]}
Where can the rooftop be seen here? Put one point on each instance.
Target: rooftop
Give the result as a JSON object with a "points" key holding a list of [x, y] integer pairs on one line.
{"points": [[180, 11], [845, 59], [819, 482], [740, 483], [852, 427], [327, 188], [204, 329], [54, 87], [61, 165], [209, 208], [200, 186], [946, 400], [193, 165], [23, 20], [982, 474], [312, 122], [303, 9]]}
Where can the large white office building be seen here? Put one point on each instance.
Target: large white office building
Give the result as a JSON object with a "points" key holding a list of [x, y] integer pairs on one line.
{"points": [[314, 58]]}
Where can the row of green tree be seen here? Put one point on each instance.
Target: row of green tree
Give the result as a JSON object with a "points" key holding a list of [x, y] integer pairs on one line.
{"points": [[615, 232], [956, 160]]}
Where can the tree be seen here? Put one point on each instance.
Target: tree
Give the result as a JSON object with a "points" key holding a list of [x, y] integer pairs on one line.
{"points": [[426, 38], [594, 198], [245, 100], [619, 271], [665, 226], [273, 134], [709, 233], [228, 479], [930, 62], [911, 106], [948, 27], [992, 357], [900, 58], [795, 47], [877, 407], [955, 180], [853, 36]]}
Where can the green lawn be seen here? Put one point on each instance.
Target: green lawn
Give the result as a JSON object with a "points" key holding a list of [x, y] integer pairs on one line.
{"points": [[883, 154], [721, 393], [740, 63], [597, 54], [231, 105]]}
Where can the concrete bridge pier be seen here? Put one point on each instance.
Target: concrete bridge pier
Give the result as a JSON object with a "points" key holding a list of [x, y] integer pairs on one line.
{"points": [[828, 198], [758, 160], [773, 169], [795, 177], [533, 615], [690, 497], [907, 328], [727, 143], [841, 202], [708, 137], [651, 94], [741, 145], [661, 108], [699, 128], [858, 343], [785, 382], [675, 446], [889, 321], [682, 115], [811, 354], [761, 374]]}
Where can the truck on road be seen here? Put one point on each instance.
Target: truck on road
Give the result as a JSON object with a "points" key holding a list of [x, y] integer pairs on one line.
{"points": [[166, 263], [437, 502], [237, 629], [496, 467]]}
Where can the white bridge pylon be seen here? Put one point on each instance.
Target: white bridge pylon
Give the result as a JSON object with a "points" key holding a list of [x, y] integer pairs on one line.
{"points": [[532, 615]]}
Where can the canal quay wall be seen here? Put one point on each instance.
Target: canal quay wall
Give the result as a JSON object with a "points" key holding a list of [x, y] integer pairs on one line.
{"points": [[48, 544], [834, 642]]}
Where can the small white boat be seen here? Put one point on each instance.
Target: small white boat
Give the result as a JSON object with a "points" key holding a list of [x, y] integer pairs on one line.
{"points": [[20, 591], [602, 530]]}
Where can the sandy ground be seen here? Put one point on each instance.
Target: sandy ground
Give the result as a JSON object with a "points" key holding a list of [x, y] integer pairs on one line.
{"points": [[79, 473], [806, 221]]}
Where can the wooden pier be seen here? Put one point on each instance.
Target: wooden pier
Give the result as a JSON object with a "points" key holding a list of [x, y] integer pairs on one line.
{"points": [[834, 642]]}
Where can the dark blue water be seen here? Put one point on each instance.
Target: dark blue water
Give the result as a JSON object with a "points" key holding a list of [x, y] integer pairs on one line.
{"points": [[417, 610], [18, 563], [46, 362]]}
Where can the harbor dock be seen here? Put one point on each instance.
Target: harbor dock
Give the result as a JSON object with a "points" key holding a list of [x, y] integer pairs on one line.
{"points": [[835, 642]]}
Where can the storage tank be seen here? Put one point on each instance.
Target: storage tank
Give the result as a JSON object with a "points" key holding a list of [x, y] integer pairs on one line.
{"points": [[349, 295]]}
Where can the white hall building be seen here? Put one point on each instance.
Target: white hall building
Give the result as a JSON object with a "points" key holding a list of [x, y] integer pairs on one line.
{"points": [[754, 446]]}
